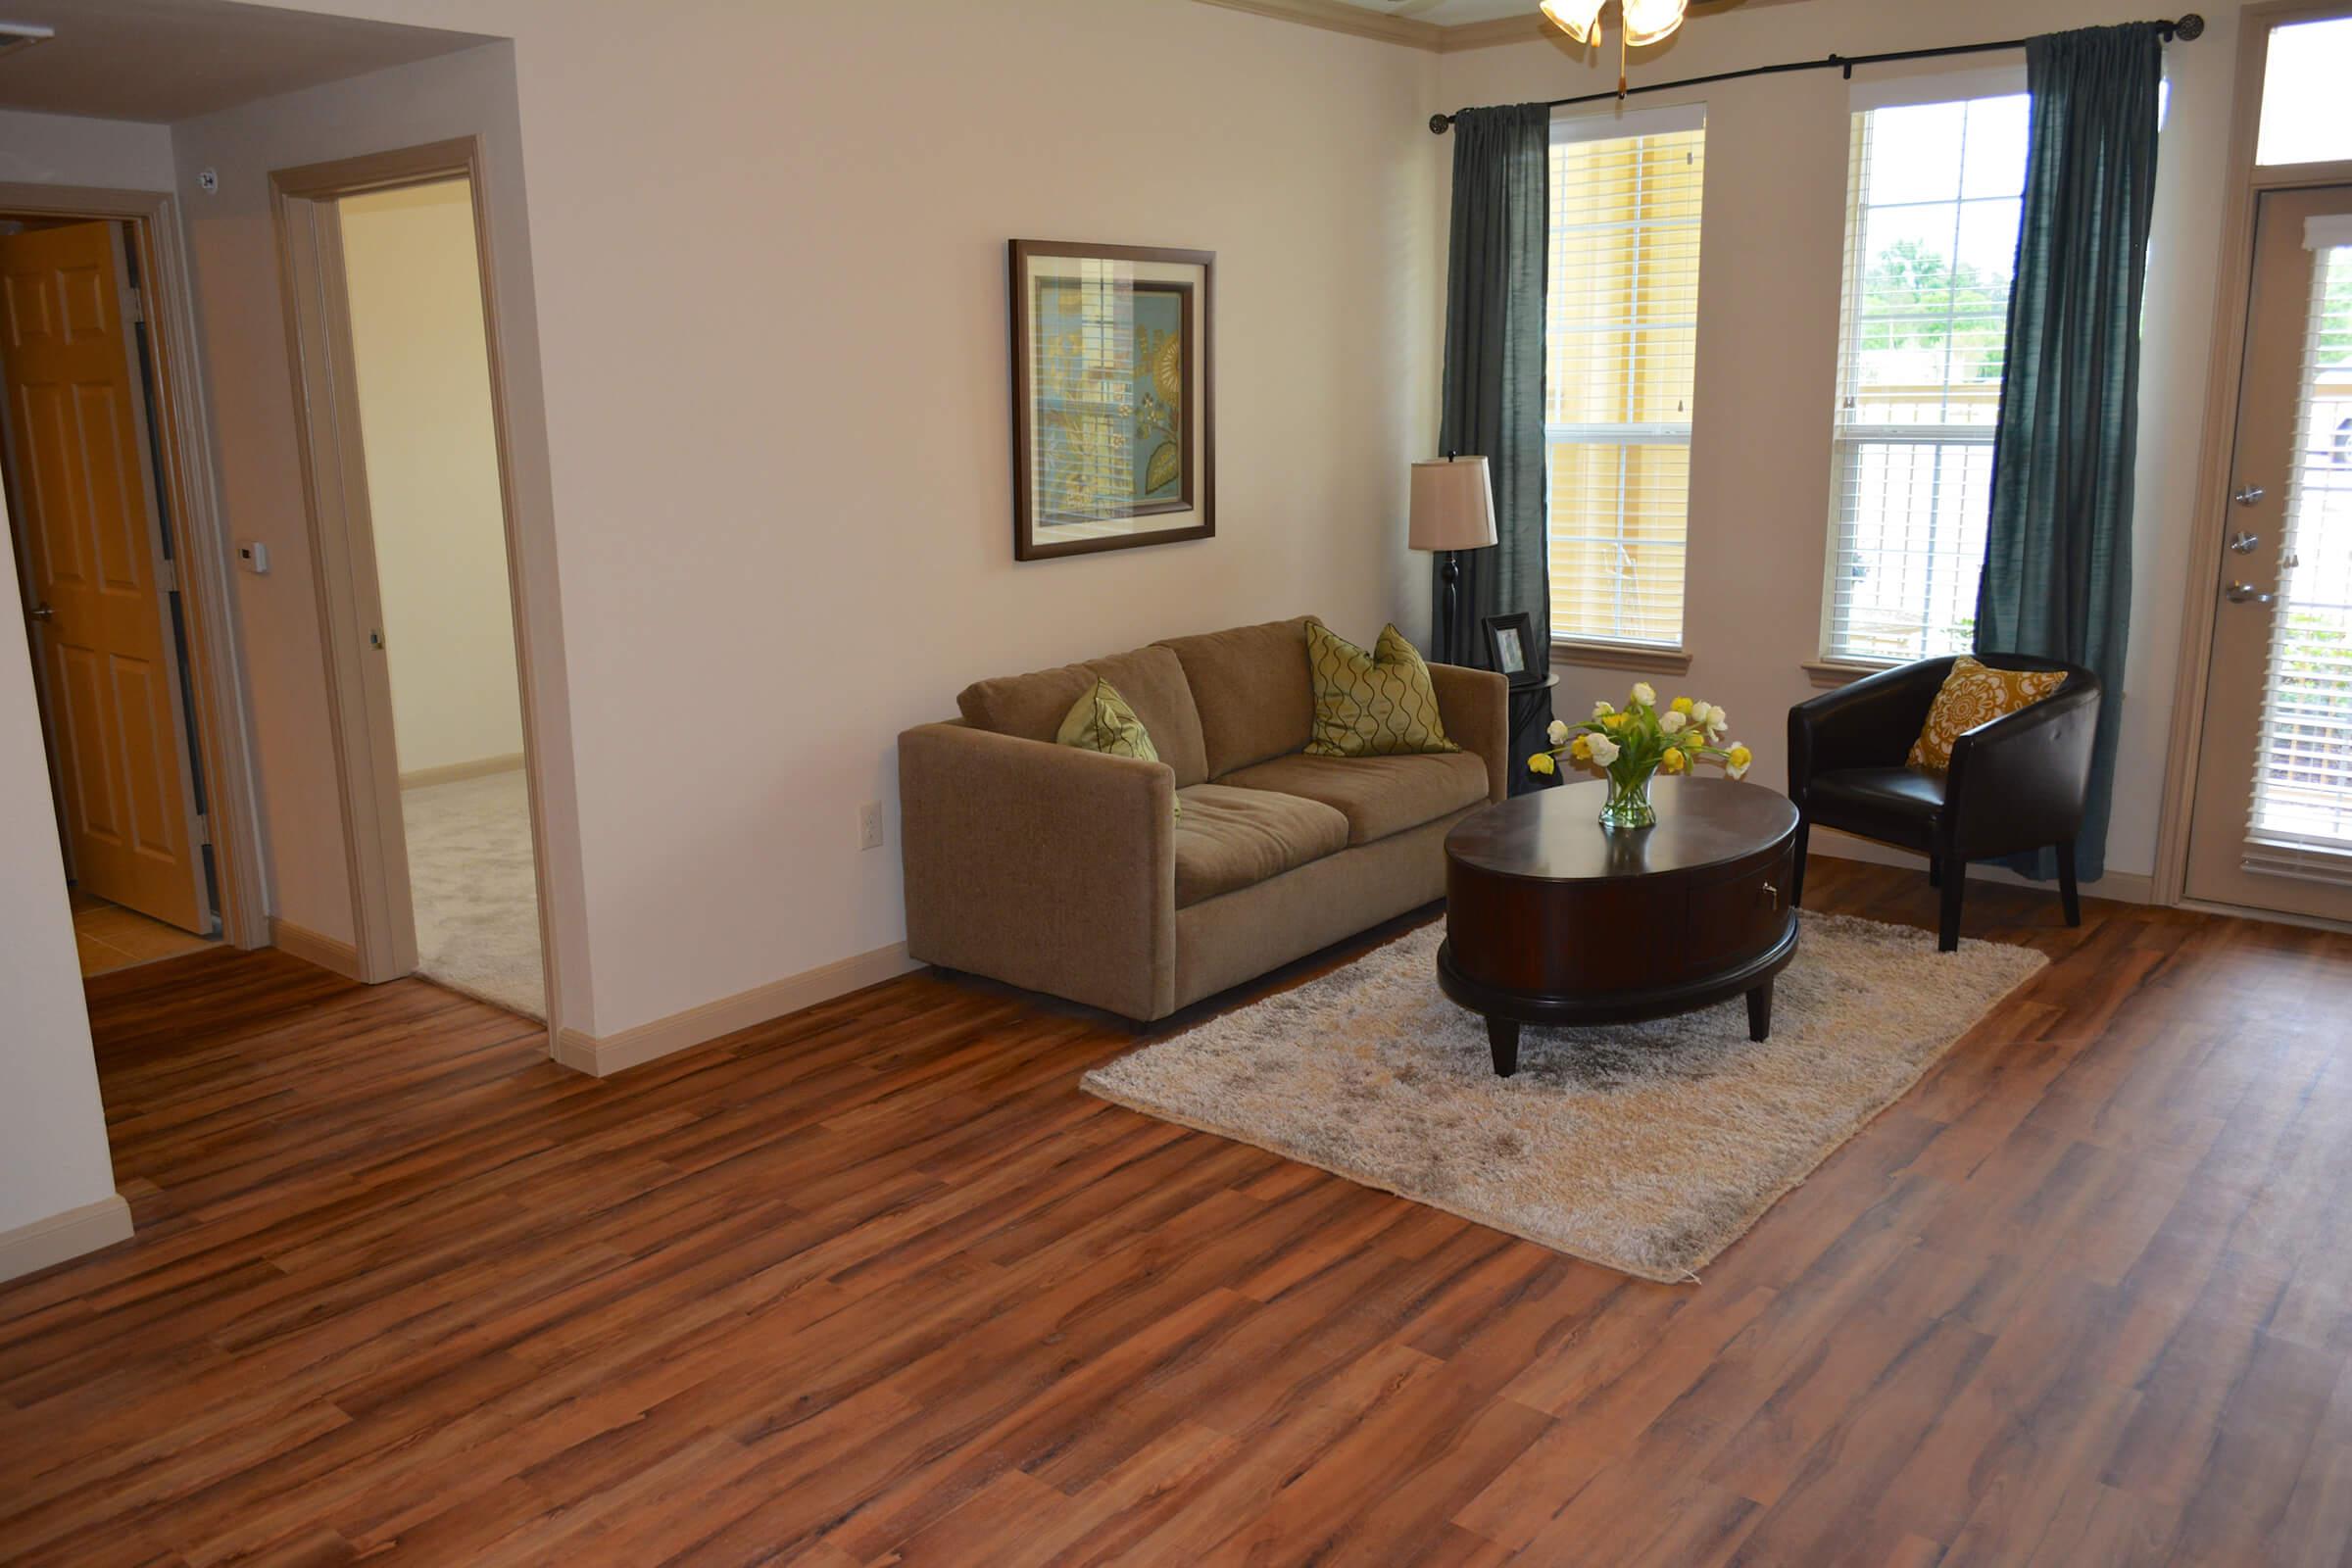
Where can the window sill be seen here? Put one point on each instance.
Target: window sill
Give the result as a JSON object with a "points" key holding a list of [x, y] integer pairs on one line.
{"points": [[1829, 672], [1622, 656]]}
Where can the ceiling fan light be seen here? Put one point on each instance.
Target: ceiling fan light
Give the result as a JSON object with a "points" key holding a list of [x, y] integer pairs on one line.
{"points": [[1577, 19], [1649, 22]]}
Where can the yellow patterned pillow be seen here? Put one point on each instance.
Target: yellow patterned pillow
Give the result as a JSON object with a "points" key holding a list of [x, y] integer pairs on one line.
{"points": [[1976, 693], [1102, 721], [1380, 704]]}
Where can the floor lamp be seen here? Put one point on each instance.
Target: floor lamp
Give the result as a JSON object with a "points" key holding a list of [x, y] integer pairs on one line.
{"points": [[1453, 511]]}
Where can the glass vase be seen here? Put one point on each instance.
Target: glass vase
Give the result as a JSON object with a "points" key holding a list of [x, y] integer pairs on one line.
{"points": [[1627, 806]]}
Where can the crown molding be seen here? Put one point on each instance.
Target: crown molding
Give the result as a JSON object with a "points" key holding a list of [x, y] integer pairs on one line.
{"points": [[1334, 17], [1502, 29]]}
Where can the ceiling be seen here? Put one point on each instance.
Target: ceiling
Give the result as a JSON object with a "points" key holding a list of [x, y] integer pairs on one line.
{"points": [[170, 60]]}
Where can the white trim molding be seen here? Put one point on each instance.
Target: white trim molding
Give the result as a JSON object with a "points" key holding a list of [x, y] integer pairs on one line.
{"points": [[327, 952], [46, 1243], [458, 772], [679, 1031]]}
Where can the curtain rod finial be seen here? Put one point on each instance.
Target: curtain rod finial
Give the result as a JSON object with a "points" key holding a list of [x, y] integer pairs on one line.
{"points": [[1439, 123], [2189, 27]]}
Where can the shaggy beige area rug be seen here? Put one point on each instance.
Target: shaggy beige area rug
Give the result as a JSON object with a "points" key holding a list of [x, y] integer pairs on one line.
{"points": [[473, 886], [1649, 1147]]}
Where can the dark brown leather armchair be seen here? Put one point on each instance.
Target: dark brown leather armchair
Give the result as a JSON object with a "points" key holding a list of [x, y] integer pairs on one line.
{"points": [[2017, 783]]}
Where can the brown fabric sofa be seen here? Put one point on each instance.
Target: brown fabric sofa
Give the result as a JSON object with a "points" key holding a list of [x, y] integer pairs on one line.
{"points": [[1070, 872]]}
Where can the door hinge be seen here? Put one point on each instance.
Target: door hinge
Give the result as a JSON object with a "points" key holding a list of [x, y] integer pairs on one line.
{"points": [[203, 830], [133, 308], [166, 576]]}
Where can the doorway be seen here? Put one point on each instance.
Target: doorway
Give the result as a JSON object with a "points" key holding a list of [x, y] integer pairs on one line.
{"points": [[2271, 824], [393, 328], [107, 539]]}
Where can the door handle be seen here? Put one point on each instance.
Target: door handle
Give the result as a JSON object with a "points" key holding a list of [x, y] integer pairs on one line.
{"points": [[2243, 543], [42, 612], [2242, 593], [2248, 495]]}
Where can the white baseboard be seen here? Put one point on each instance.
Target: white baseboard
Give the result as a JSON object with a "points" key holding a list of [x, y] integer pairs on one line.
{"points": [[2124, 887], [47, 1242], [458, 772], [646, 1042], [327, 952]]}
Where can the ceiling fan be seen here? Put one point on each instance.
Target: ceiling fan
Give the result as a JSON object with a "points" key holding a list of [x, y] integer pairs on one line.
{"points": [[1639, 23]]}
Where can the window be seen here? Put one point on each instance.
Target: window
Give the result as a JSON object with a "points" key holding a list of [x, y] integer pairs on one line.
{"points": [[1931, 216], [1623, 311], [2303, 76]]}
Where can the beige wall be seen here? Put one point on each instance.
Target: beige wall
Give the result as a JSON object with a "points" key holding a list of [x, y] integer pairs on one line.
{"points": [[233, 241], [770, 247], [1768, 329], [433, 473], [68, 150]]}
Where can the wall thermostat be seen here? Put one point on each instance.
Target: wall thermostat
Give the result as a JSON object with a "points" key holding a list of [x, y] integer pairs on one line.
{"points": [[254, 557]]}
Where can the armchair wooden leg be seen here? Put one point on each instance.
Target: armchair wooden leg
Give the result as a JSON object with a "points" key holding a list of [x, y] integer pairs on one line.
{"points": [[1935, 873], [1796, 871], [1955, 880], [2070, 896]]}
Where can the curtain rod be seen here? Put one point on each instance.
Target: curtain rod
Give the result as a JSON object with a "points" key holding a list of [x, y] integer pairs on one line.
{"points": [[2188, 28]]}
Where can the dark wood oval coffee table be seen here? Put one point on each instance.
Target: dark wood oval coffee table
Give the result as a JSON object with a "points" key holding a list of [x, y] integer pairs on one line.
{"points": [[1552, 920]]}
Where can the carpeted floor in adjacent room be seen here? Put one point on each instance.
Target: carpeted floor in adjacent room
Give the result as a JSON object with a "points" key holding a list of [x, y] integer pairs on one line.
{"points": [[476, 898]]}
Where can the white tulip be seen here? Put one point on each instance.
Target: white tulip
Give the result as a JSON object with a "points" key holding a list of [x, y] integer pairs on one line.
{"points": [[1603, 709], [1558, 731], [1672, 723], [1645, 694], [1605, 749]]}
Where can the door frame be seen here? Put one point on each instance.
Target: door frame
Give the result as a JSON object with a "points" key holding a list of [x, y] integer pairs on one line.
{"points": [[2246, 184], [179, 420], [319, 348]]}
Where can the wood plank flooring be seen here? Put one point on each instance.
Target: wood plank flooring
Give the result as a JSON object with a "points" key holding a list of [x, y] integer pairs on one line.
{"points": [[877, 1284]]}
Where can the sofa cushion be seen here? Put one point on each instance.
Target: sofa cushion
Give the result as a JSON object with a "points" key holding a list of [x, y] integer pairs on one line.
{"points": [[1151, 679], [1375, 702], [1377, 795], [1251, 687], [1232, 838]]}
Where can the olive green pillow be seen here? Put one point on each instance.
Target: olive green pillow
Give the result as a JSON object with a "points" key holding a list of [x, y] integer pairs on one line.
{"points": [[1102, 721], [1377, 703]]}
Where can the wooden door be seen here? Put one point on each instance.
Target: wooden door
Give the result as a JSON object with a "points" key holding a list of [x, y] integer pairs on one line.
{"points": [[2271, 824], [95, 579]]}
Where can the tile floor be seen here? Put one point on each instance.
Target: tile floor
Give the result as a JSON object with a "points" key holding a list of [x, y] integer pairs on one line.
{"points": [[110, 937]]}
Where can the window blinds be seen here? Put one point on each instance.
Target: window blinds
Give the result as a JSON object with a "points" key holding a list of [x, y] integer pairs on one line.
{"points": [[1621, 328], [2301, 820], [1932, 216]]}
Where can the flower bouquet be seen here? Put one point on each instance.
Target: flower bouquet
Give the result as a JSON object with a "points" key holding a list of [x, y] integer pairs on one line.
{"points": [[1631, 744]]}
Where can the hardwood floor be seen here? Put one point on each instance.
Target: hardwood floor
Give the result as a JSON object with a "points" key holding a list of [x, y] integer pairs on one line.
{"points": [[879, 1284]]}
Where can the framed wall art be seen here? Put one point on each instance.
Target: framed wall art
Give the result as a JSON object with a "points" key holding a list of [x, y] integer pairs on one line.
{"points": [[1113, 424]]}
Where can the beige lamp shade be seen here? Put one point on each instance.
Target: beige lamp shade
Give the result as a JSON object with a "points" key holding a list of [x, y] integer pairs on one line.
{"points": [[1453, 504]]}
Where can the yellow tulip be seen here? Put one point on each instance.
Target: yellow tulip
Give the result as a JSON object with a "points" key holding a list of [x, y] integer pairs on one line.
{"points": [[1672, 761], [1739, 756], [1681, 705], [1581, 747], [1541, 763]]}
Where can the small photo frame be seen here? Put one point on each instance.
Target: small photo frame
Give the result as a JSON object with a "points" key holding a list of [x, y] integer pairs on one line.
{"points": [[1511, 646]]}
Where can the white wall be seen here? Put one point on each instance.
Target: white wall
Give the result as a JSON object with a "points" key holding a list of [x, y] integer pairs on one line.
{"points": [[53, 1154], [770, 247], [66, 150], [423, 376], [1768, 328]]}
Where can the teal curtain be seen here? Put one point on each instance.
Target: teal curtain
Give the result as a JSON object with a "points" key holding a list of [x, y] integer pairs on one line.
{"points": [[1493, 394], [2058, 553]]}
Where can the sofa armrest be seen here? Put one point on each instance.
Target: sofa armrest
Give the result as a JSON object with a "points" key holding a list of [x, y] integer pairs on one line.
{"points": [[2022, 780], [1870, 723], [1475, 706], [1043, 865]]}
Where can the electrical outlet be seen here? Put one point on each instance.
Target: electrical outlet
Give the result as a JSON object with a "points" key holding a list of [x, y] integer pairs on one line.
{"points": [[869, 825]]}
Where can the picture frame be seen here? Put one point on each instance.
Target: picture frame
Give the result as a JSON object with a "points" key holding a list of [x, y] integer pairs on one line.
{"points": [[1510, 647], [1113, 406]]}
